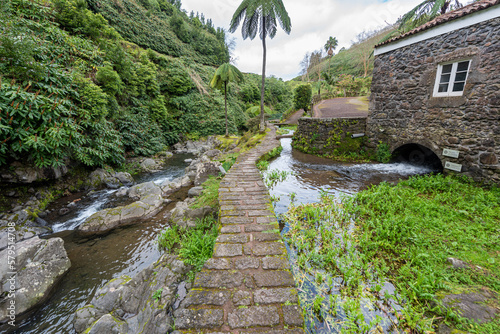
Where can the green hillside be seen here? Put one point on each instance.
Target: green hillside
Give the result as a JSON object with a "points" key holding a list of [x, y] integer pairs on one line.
{"points": [[161, 25], [76, 88], [347, 73]]}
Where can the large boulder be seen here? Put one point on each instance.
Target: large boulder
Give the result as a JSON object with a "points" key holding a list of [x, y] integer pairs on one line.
{"points": [[184, 216], [135, 305], [170, 187], [149, 165], [207, 169], [18, 172], [101, 178], [19, 226], [149, 202], [39, 264], [197, 147]]}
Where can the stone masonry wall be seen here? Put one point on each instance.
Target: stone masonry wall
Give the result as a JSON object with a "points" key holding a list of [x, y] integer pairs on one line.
{"points": [[403, 110], [324, 135]]}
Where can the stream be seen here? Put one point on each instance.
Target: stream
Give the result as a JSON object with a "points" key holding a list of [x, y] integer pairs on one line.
{"points": [[308, 177], [128, 250], [96, 260]]}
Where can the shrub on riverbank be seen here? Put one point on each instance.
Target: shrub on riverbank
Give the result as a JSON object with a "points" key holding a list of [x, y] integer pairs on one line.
{"points": [[193, 245], [402, 234]]}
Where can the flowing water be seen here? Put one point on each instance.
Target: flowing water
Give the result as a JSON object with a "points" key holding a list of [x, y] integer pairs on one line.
{"points": [[96, 260], [126, 251], [308, 177]]}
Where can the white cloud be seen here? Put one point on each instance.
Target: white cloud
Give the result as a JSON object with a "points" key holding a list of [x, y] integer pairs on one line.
{"points": [[312, 23]]}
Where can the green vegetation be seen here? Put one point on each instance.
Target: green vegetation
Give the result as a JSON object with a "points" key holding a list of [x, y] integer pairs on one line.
{"points": [[225, 74], [193, 245], [400, 234], [210, 194], [157, 294], [383, 153], [261, 16], [275, 176], [74, 89], [302, 97], [339, 145]]}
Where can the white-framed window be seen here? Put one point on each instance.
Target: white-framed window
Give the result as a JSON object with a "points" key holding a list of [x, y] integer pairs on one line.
{"points": [[451, 78]]}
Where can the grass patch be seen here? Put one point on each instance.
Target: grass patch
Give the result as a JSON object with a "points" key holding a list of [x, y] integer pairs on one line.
{"points": [[193, 245], [402, 234], [210, 194], [226, 142]]}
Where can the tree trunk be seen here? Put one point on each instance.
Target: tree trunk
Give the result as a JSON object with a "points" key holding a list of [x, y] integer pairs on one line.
{"points": [[262, 125], [225, 106]]}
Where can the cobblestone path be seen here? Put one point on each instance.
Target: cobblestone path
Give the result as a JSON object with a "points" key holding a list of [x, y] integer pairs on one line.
{"points": [[247, 286]]}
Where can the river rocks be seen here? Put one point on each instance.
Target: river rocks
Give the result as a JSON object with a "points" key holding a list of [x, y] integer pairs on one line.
{"points": [[201, 169], [195, 191], [149, 202], [474, 306], [207, 169], [169, 187], [102, 178], [197, 147], [184, 216], [109, 219], [20, 227], [21, 173], [40, 264], [149, 165], [135, 305], [148, 188]]}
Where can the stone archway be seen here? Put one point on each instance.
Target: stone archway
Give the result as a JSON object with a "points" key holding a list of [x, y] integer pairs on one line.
{"points": [[417, 154]]}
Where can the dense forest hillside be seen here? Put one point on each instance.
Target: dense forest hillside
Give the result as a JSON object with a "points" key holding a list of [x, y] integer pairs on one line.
{"points": [[76, 88]]}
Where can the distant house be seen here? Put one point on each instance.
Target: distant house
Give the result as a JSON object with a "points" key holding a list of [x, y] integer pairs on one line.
{"points": [[436, 92]]}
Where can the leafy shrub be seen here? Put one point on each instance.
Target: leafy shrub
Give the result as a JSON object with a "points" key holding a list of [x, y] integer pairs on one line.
{"points": [[249, 92], [175, 80], [180, 28], [196, 244], [74, 15], [302, 97], [35, 126], [109, 80], [141, 135], [157, 108], [92, 98], [145, 78], [383, 153], [102, 144]]}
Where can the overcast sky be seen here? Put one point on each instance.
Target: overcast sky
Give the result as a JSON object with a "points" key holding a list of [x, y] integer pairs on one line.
{"points": [[313, 21]]}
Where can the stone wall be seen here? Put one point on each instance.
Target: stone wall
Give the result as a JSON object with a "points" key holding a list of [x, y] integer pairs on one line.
{"points": [[324, 135], [403, 110]]}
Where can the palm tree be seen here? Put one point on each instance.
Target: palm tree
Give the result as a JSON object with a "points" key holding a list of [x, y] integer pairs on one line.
{"points": [[426, 11], [261, 15], [225, 74], [331, 45]]}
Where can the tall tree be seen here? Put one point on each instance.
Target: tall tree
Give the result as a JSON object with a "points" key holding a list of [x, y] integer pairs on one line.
{"points": [[331, 44], [225, 74], [426, 11], [261, 15]]}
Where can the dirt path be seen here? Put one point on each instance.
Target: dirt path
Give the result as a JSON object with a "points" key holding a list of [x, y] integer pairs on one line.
{"points": [[342, 107]]}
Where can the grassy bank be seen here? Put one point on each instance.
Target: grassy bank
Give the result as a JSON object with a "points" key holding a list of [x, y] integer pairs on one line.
{"points": [[403, 234]]}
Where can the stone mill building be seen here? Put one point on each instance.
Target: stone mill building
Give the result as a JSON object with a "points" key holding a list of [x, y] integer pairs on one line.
{"points": [[436, 92]]}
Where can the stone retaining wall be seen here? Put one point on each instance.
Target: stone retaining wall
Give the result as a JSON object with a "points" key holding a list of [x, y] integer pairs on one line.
{"points": [[322, 136], [403, 109]]}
